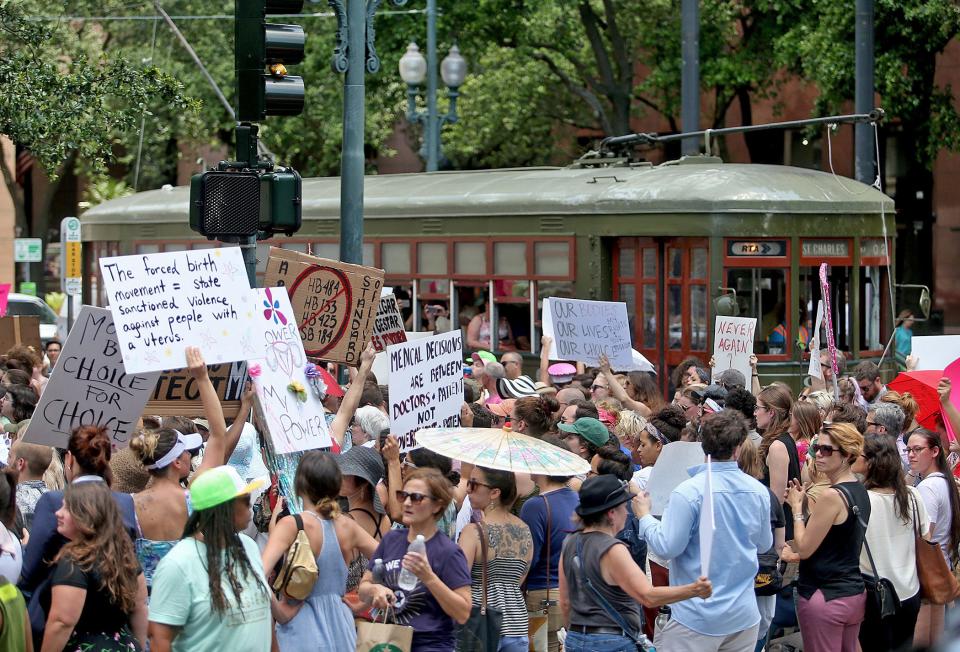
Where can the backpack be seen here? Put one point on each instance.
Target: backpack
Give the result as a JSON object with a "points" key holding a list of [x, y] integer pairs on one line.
{"points": [[299, 571]]}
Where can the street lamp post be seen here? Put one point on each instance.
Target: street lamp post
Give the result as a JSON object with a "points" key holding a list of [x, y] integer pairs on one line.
{"points": [[414, 69]]}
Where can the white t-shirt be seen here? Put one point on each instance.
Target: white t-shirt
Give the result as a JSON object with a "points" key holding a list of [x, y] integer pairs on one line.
{"points": [[893, 543], [642, 477], [11, 556], [936, 497]]}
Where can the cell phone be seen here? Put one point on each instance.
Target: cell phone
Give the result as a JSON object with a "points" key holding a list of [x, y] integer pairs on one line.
{"points": [[383, 436]]}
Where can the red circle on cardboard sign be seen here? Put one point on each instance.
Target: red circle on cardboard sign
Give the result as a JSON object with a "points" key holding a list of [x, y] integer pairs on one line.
{"points": [[346, 291]]}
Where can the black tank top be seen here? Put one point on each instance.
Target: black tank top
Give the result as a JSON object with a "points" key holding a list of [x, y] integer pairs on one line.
{"points": [[834, 567], [793, 473]]}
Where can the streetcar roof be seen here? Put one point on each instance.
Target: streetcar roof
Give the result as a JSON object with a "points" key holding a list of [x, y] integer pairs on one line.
{"points": [[701, 185]]}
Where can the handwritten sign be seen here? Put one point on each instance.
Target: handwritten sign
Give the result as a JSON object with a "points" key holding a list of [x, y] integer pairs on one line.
{"points": [[733, 344], [582, 330], [381, 363], [90, 386], [288, 400], [4, 296], [334, 303], [935, 351], [388, 325], [815, 369], [426, 385], [670, 470], [176, 392], [163, 303]]}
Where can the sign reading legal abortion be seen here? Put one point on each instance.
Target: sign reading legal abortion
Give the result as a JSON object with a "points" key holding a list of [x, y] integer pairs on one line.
{"points": [[289, 390], [582, 330], [89, 386], [426, 385], [388, 325], [733, 344], [163, 303]]}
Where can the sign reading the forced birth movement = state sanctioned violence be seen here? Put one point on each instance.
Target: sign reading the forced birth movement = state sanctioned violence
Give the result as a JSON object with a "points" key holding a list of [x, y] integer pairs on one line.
{"points": [[334, 303], [426, 385], [582, 330], [89, 386], [289, 389], [388, 325], [163, 303]]}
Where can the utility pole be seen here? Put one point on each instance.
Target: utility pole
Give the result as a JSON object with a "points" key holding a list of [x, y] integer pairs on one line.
{"points": [[864, 151], [690, 76]]}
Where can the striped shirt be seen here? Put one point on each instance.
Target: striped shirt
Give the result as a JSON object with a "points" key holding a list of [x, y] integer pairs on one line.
{"points": [[506, 565]]}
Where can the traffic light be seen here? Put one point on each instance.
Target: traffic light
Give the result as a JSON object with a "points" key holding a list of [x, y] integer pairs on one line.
{"points": [[225, 203], [262, 92]]}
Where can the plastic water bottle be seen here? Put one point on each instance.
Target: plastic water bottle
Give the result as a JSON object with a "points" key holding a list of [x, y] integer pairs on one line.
{"points": [[663, 617], [379, 573], [643, 643], [408, 581]]}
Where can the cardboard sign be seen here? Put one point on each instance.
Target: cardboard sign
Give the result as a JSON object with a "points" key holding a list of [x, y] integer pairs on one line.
{"points": [[163, 303], [733, 344], [815, 369], [19, 330], [582, 330], [388, 324], [334, 303], [90, 386], [426, 385], [176, 392], [4, 297], [935, 351], [289, 401], [670, 470]]}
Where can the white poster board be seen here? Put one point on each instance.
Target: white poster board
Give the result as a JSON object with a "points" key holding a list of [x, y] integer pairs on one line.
{"points": [[426, 385], [733, 344], [388, 324], [163, 303], [934, 351], [381, 363], [90, 386], [670, 470], [582, 330], [707, 524], [294, 419], [815, 369]]}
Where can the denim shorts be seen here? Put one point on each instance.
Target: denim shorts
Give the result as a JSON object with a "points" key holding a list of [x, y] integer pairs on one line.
{"points": [[580, 642], [514, 644]]}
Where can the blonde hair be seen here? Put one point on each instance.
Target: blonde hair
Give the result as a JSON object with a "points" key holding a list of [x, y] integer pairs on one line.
{"points": [[749, 459], [53, 477], [821, 399], [906, 402], [629, 426], [846, 437]]}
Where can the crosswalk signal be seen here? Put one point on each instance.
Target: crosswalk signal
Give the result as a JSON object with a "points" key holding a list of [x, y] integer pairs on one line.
{"points": [[262, 53]]}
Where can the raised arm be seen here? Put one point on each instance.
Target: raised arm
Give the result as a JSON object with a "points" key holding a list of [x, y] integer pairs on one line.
{"points": [[618, 568], [214, 451], [391, 454], [944, 388], [754, 376], [236, 428], [542, 374], [352, 398], [618, 391]]}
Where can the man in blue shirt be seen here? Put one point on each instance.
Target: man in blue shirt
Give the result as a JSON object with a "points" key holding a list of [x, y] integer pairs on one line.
{"points": [[729, 620]]}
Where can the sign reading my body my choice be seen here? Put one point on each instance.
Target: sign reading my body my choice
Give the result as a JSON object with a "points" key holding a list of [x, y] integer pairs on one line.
{"points": [[163, 303], [426, 385]]}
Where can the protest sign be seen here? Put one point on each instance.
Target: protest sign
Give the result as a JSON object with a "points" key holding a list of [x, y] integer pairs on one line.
{"points": [[163, 303], [935, 351], [815, 369], [381, 363], [707, 524], [4, 297], [426, 385], [19, 329], [828, 324], [582, 330], [89, 386], [176, 392], [388, 325], [670, 470], [335, 304], [289, 389], [733, 344]]}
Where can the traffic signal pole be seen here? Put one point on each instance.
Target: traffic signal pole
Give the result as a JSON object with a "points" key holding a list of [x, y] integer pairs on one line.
{"points": [[352, 158]]}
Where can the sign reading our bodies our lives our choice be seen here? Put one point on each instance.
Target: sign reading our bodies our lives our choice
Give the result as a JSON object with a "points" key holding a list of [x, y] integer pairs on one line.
{"points": [[163, 303], [582, 330], [733, 344], [426, 385], [89, 385], [289, 401]]}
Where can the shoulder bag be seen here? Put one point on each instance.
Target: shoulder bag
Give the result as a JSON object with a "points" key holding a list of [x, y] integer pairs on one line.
{"points": [[299, 571], [538, 628], [481, 632], [937, 583]]}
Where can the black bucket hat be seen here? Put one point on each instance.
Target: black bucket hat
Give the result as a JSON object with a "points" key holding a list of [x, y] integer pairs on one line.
{"points": [[602, 492]]}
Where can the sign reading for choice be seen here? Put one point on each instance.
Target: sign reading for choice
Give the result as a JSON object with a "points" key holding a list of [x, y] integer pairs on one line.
{"points": [[733, 344], [582, 330], [426, 385], [90, 386], [163, 303]]}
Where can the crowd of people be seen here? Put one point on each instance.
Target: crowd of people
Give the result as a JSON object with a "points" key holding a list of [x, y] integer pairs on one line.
{"points": [[823, 508]]}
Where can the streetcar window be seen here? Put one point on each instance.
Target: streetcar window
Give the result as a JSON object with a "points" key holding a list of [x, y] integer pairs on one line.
{"points": [[395, 257], [470, 258], [551, 258], [762, 293], [875, 300], [329, 250], [840, 295], [510, 258], [432, 258]]}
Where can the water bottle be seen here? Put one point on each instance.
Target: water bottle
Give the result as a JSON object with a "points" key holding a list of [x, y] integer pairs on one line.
{"points": [[663, 617], [408, 581], [379, 573], [644, 644]]}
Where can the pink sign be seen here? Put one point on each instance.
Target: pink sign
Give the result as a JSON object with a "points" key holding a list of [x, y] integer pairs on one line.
{"points": [[828, 319], [4, 295]]}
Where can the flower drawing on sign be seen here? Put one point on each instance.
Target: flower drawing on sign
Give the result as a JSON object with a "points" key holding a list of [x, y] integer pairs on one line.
{"points": [[253, 370], [315, 379], [273, 309], [297, 389]]}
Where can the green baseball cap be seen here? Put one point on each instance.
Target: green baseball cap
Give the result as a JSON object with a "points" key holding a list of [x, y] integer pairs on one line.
{"points": [[486, 356], [219, 485], [589, 428]]}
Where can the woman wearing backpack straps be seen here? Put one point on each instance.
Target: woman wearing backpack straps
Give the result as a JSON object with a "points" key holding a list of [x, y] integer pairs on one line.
{"points": [[323, 619]]}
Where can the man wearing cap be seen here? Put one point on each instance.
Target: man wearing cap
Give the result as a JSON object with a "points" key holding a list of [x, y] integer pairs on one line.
{"points": [[584, 436], [741, 508]]}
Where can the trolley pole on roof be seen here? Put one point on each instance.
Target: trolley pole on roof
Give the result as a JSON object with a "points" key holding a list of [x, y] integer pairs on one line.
{"points": [[864, 152], [690, 77]]}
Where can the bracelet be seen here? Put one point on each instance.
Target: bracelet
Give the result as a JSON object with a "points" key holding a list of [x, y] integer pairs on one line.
{"points": [[798, 517]]}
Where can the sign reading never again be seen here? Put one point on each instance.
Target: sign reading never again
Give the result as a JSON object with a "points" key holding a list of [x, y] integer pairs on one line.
{"points": [[334, 303], [163, 303], [89, 386]]}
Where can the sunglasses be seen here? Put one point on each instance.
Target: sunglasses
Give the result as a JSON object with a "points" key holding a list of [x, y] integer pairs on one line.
{"points": [[824, 450], [473, 484], [596, 387], [415, 497]]}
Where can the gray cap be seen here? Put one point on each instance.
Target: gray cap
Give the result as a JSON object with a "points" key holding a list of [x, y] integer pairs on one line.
{"points": [[731, 378], [365, 463]]}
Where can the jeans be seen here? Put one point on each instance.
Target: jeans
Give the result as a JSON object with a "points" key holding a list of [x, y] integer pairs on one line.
{"points": [[514, 644], [580, 642]]}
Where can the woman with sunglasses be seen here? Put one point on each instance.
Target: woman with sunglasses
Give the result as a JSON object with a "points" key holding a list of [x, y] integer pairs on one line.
{"points": [[509, 551], [832, 595], [939, 493], [442, 593]]}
